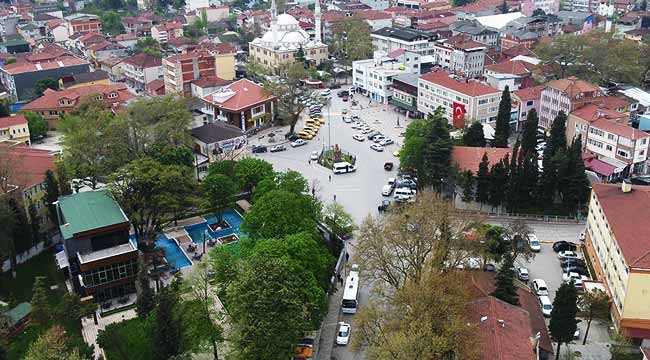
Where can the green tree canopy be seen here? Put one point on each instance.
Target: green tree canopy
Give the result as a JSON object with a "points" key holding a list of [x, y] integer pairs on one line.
{"points": [[167, 333], [505, 286], [46, 83], [220, 192], [290, 181], [474, 135], [352, 40], [529, 133], [563, 316], [502, 131], [250, 171], [483, 180], [288, 91], [37, 126]]}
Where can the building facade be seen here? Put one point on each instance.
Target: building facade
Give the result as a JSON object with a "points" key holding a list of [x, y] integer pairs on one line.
{"points": [[405, 94], [14, 128], [565, 95], [375, 77], [526, 100], [390, 39], [180, 70], [83, 23], [619, 145], [460, 55], [141, 69]]}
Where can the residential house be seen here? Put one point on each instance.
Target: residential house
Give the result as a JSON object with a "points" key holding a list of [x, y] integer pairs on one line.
{"points": [[54, 104], [390, 39], [405, 94], [141, 69], [98, 77], [14, 128], [180, 70], [207, 85], [163, 32], [462, 99], [620, 145], [103, 262], [214, 13], [155, 88], [8, 23], [113, 66], [375, 19], [83, 23], [58, 30], [16, 319], [476, 31], [548, 6], [579, 120], [376, 4], [19, 78], [138, 25], [193, 5], [617, 244], [584, 22], [224, 57], [520, 72], [243, 104], [374, 77], [105, 49], [637, 34], [127, 40], [30, 31], [460, 55], [526, 100], [83, 41], [565, 95]]}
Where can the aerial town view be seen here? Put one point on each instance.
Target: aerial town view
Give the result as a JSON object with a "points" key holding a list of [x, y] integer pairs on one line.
{"points": [[324, 180]]}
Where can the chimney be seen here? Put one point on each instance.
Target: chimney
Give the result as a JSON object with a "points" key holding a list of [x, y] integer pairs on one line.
{"points": [[501, 322], [626, 186]]}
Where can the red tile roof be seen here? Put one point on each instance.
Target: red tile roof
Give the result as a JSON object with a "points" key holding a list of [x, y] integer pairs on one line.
{"points": [[244, 94], [50, 98], [531, 93], [614, 102], [627, 214], [29, 164], [143, 61], [572, 86], [469, 88], [19, 68], [619, 129], [598, 166], [591, 112], [373, 15], [332, 16], [432, 25], [125, 37], [469, 158], [12, 121], [516, 67], [504, 330], [210, 81]]}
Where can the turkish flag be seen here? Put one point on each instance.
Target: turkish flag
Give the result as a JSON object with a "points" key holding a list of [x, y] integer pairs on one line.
{"points": [[459, 115]]}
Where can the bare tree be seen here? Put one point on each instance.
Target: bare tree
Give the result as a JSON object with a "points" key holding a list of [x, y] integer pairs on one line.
{"points": [[519, 235]]}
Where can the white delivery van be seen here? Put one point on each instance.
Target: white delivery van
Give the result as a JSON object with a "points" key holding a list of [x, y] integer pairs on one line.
{"points": [[343, 167], [404, 194]]}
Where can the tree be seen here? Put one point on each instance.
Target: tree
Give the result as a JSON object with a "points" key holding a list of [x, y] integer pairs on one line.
{"points": [[172, 155], [37, 126], [5, 107], [40, 314], [467, 182], [148, 192], [300, 55], [498, 177], [502, 131], [483, 180], [279, 213], [51, 195], [505, 286], [112, 23], [554, 162], [561, 53], [557, 138], [412, 152], [436, 161], [595, 304], [538, 12], [250, 171], [563, 316], [338, 220], [46, 83], [288, 91], [145, 301], [352, 40], [52, 345], [7, 242], [504, 8], [223, 167], [34, 223], [575, 192], [220, 192], [290, 181], [518, 235], [167, 334], [529, 132], [62, 176], [474, 135]]}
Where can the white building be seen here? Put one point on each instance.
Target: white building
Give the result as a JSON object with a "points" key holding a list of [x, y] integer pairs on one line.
{"points": [[619, 145], [462, 99], [376, 77], [389, 39], [461, 55]]}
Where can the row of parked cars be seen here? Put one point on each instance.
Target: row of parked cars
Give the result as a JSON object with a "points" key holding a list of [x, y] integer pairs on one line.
{"points": [[367, 132]]}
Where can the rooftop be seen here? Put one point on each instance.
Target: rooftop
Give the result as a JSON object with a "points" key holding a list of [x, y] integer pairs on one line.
{"points": [[87, 211], [210, 81], [572, 86], [12, 121], [84, 77], [627, 214], [29, 164], [50, 98], [106, 253], [215, 132], [240, 95], [143, 60], [591, 112], [22, 67], [467, 87], [619, 129], [18, 313], [515, 67], [408, 78], [531, 93], [469, 158], [404, 34], [498, 21]]}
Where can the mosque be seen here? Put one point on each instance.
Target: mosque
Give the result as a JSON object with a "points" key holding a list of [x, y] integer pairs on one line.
{"points": [[285, 38]]}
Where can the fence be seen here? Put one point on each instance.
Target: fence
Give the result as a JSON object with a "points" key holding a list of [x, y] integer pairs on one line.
{"points": [[24, 256]]}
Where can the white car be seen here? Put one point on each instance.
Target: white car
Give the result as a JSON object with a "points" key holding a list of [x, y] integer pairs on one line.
{"points": [[534, 243], [546, 305], [347, 120], [377, 147], [581, 237], [385, 142], [299, 142], [366, 130], [326, 92], [314, 155], [378, 138], [357, 125], [387, 190], [539, 287], [343, 335], [567, 254], [577, 278], [358, 137]]}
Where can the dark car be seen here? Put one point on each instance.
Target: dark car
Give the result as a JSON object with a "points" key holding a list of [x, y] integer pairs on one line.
{"points": [[383, 206], [576, 269], [343, 93], [259, 149], [293, 137], [345, 98], [577, 262], [564, 246]]}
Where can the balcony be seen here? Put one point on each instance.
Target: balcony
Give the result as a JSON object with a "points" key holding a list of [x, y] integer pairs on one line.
{"points": [[403, 105], [106, 253]]}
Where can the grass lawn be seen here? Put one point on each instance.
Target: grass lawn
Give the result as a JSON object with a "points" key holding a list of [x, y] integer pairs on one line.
{"points": [[130, 339], [20, 288]]}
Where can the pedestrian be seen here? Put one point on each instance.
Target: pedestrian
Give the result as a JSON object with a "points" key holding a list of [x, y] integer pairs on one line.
{"points": [[309, 161], [347, 256], [330, 177], [313, 192], [334, 197], [341, 280]]}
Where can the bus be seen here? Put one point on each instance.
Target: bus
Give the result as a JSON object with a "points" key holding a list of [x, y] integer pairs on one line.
{"points": [[351, 291]]}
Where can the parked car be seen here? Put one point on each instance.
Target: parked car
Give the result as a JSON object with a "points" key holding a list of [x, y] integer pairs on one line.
{"points": [[539, 287], [571, 261], [567, 254], [378, 138], [576, 277], [546, 305], [564, 246], [292, 137], [490, 268], [388, 166], [377, 147], [355, 117], [343, 335], [326, 92], [386, 142], [358, 137], [387, 190], [299, 142], [385, 204], [277, 148], [314, 155], [366, 130], [259, 149], [347, 120], [522, 274], [534, 243], [343, 93], [582, 270]]}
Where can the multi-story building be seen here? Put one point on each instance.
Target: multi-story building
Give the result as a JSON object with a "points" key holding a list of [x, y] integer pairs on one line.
{"points": [[521, 73], [141, 69], [19, 78], [565, 95], [54, 104], [243, 104], [83, 23], [405, 94], [138, 25], [463, 100], [375, 77], [14, 128], [459, 54], [476, 31], [548, 6], [618, 246], [619, 145], [389, 39], [526, 100], [163, 32], [579, 120], [103, 262], [180, 70]]}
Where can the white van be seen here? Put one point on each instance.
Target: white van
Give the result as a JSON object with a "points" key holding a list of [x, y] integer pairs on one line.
{"points": [[404, 194], [546, 305], [343, 167]]}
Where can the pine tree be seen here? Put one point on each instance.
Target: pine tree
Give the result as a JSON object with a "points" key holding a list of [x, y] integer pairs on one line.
{"points": [[529, 178], [483, 180], [466, 181], [437, 152], [502, 131], [40, 314], [512, 196], [474, 135], [563, 317], [145, 302], [576, 186], [553, 164], [505, 286], [498, 178], [64, 181], [52, 194], [167, 332], [529, 133], [557, 138]]}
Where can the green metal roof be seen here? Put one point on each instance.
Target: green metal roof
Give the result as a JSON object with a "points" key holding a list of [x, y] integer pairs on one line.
{"points": [[18, 313], [14, 42], [87, 211]]}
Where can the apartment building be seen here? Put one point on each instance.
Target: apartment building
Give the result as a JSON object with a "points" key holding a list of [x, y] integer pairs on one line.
{"points": [[619, 145], [618, 246], [83, 23], [520, 72], [463, 100], [579, 120], [459, 54], [389, 39], [405, 94], [526, 100], [549, 6], [565, 95], [102, 261], [14, 128], [180, 70], [163, 32], [375, 77], [141, 69]]}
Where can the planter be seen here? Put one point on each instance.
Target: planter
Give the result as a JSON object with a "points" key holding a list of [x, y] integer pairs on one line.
{"points": [[219, 225], [228, 239]]}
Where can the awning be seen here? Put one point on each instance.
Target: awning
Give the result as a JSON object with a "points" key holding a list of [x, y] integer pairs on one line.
{"points": [[599, 167], [618, 164], [62, 260]]}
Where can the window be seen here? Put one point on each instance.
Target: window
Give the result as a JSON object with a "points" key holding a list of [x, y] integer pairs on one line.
{"points": [[622, 153], [529, 103], [610, 136], [112, 95], [482, 101], [257, 110], [608, 147]]}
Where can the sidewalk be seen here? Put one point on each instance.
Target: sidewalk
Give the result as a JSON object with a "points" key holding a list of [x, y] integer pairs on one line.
{"points": [[325, 343]]}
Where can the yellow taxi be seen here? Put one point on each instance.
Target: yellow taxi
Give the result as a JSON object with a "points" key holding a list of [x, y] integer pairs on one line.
{"points": [[306, 135], [311, 128], [319, 120], [313, 122]]}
